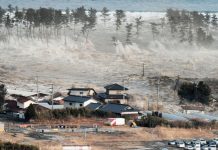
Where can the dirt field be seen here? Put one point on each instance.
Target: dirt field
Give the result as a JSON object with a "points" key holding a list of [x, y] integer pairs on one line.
{"points": [[118, 138]]}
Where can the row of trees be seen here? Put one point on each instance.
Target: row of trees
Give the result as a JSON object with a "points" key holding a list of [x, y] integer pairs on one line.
{"points": [[153, 121], [187, 26], [200, 92], [57, 20], [33, 112]]}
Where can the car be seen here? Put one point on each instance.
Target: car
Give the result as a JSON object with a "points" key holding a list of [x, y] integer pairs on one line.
{"points": [[212, 147], [193, 141], [216, 141], [205, 147], [203, 141], [189, 147], [211, 142], [197, 145], [180, 144], [172, 142], [188, 142]]}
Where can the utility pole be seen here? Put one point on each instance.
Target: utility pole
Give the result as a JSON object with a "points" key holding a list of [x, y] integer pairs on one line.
{"points": [[37, 87], [158, 90], [123, 89], [52, 91], [143, 69]]}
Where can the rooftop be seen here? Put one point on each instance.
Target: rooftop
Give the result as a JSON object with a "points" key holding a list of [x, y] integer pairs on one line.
{"points": [[115, 86], [78, 99], [80, 89], [117, 108], [93, 106], [22, 100], [46, 105]]}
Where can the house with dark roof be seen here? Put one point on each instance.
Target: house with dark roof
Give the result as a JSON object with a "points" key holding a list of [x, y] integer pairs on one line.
{"points": [[114, 93], [11, 108], [119, 109], [74, 101]]}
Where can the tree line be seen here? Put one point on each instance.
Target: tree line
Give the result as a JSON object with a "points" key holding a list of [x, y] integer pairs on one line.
{"points": [[187, 26], [35, 112], [49, 22], [193, 92]]}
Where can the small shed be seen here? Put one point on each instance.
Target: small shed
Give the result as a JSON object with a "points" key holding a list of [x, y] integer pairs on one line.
{"points": [[188, 109]]}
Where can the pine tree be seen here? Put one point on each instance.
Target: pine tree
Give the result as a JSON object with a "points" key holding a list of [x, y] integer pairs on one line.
{"points": [[128, 34], [214, 20], [120, 16], [105, 14], [138, 25]]}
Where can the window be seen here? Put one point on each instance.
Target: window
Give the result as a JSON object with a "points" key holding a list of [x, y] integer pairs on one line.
{"points": [[70, 104], [80, 105]]}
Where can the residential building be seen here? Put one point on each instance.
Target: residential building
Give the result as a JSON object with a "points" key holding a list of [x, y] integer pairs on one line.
{"points": [[119, 109], [50, 107], [74, 101], [114, 93], [24, 102], [82, 92]]}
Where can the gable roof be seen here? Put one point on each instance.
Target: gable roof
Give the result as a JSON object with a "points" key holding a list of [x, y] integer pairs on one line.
{"points": [[46, 105], [77, 99], [80, 89], [117, 108], [23, 100], [93, 106], [115, 86]]}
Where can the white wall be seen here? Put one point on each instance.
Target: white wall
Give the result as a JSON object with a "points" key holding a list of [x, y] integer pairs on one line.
{"points": [[117, 92], [192, 111], [78, 105], [72, 105], [25, 104]]}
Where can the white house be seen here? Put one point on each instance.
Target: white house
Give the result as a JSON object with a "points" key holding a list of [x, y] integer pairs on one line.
{"points": [[23, 103], [187, 109], [74, 101]]}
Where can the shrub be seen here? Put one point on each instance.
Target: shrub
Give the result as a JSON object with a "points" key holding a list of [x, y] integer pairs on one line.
{"points": [[152, 121], [15, 146], [31, 113], [200, 92]]}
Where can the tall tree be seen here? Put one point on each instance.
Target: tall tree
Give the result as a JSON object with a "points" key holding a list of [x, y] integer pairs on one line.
{"points": [[139, 23], [90, 22], [120, 16], [214, 20], [105, 15], [154, 30], [2, 12], [128, 33]]}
